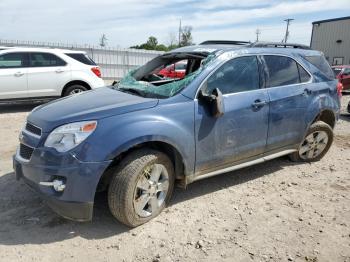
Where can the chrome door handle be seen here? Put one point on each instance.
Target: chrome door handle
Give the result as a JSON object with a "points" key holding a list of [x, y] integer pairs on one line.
{"points": [[59, 71], [19, 74]]}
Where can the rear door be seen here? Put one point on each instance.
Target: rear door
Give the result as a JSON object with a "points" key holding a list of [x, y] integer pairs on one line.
{"points": [[47, 74], [242, 131], [13, 75], [290, 91]]}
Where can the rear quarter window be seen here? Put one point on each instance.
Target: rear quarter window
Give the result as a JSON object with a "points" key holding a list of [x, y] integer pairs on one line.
{"points": [[82, 58], [321, 63]]}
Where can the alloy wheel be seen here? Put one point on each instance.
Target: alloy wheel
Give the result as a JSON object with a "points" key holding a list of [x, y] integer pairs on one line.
{"points": [[75, 91], [313, 145], [151, 190]]}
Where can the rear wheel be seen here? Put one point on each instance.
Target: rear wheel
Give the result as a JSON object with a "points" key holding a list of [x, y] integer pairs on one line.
{"points": [[74, 89], [141, 187], [316, 143]]}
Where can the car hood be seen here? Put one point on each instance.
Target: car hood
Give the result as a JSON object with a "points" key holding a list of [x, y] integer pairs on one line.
{"points": [[91, 105]]}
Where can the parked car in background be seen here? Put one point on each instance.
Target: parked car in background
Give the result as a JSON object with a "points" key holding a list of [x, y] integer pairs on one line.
{"points": [[177, 70], [343, 75], [237, 106], [40, 73]]}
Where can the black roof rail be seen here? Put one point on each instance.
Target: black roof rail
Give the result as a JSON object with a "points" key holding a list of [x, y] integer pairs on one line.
{"points": [[224, 42], [280, 45]]}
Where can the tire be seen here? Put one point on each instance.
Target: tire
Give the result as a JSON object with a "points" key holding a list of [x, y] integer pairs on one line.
{"points": [[311, 150], [128, 193], [74, 89]]}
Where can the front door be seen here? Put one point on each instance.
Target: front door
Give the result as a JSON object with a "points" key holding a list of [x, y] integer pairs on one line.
{"points": [[13, 76], [242, 131]]}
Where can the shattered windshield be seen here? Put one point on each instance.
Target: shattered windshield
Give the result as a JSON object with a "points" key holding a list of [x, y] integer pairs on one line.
{"points": [[146, 81]]}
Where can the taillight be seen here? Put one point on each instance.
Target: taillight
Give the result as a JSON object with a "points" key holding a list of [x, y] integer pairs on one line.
{"points": [[339, 88], [96, 71]]}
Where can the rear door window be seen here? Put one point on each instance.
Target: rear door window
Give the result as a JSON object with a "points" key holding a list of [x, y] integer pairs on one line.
{"points": [[82, 58], [280, 71], [45, 60], [13, 60]]}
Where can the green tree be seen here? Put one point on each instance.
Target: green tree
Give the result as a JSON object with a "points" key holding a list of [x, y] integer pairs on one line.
{"points": [[152, 42], [186, 36]]}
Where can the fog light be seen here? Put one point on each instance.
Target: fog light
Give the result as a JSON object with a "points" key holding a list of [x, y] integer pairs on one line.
{"points": [[58, 185]]}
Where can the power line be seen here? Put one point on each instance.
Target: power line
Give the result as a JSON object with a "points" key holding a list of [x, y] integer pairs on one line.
{"points": [[288, 20]]}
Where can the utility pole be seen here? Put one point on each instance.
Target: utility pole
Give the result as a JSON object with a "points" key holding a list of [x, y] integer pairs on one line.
{"points": [[257, 32], [288, 20], [103, 40], [180, 29]]}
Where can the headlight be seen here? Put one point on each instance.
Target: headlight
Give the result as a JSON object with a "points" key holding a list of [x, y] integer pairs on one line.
{"points": [[68, 136]]}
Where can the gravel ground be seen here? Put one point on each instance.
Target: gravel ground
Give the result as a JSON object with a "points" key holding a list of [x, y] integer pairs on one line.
{"points": [[276, 211]]}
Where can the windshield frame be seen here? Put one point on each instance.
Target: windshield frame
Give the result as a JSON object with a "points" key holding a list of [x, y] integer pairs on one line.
{"points": [[133, 82]]}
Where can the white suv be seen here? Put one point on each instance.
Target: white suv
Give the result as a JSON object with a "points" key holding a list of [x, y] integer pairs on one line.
{"points": [[28, 73]]}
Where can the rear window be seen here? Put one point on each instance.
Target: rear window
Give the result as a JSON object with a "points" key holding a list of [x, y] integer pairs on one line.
{"points": [[321, 63], [180, 66], [82, 58]]}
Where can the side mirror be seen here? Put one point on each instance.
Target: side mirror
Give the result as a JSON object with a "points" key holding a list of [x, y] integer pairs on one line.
{"points": [[215, 101]]}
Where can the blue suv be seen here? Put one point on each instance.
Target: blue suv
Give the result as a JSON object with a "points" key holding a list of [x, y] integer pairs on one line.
{"points": [[239, 104]]}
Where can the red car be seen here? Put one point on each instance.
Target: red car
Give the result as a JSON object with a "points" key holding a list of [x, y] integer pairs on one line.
{"points": [[343, 75], [177, 70]]}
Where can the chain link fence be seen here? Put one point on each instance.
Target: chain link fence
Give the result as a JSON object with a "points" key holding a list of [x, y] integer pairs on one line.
{"points": [[114, 62]]}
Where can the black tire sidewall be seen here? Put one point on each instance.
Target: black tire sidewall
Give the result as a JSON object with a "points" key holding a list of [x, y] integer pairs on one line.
{"points": [[127, 176], [72, 87]]}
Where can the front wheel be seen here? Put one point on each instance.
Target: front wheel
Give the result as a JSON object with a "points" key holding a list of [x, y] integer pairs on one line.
{"points": [[74, 89], [316, 143], [141, 187]]}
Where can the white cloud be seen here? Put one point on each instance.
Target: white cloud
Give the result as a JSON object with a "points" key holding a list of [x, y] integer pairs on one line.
{"points": [[129, 22]]}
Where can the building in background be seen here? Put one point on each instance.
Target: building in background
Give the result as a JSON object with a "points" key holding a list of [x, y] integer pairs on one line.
{"points": [[332, 37]]}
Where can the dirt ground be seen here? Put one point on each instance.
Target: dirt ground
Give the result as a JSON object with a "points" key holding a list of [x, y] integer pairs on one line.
{"points": [[276, 211]]}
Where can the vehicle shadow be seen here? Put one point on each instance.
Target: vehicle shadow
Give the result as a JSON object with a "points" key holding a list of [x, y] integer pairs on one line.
{"points": [[22, 212], [17, 108], [345, 117]]}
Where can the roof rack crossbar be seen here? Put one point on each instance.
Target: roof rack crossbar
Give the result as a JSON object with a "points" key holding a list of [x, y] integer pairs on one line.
{"points": [[279, 45], [224, 42]]}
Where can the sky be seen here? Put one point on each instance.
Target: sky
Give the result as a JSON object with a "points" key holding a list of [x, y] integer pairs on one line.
{"points": [[131, 22]]}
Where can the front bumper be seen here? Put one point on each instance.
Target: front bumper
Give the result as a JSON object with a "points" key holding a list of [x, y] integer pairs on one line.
{"points": [[81, 179]]}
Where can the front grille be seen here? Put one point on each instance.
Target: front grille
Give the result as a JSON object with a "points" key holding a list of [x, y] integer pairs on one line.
{"points": [[25, 151], [33, 129]]}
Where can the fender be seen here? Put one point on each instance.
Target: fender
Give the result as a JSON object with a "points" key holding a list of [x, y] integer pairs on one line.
{"points": [[319, 104], [122, 132]]}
